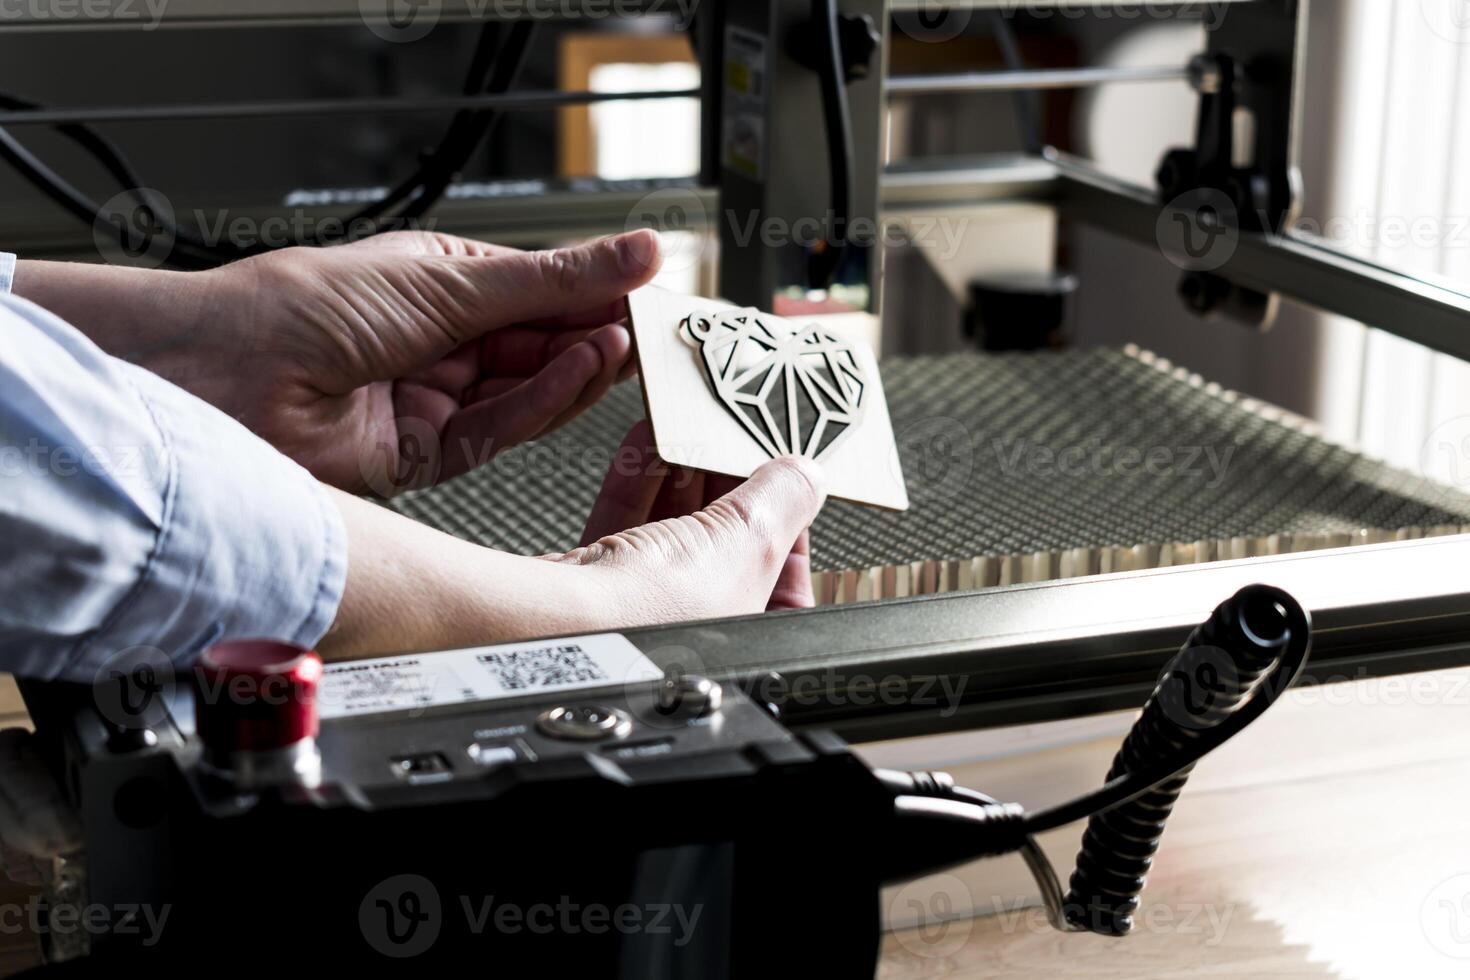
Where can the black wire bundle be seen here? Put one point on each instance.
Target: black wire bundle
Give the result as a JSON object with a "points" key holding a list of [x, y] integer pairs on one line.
{"points": [[149, 229]]}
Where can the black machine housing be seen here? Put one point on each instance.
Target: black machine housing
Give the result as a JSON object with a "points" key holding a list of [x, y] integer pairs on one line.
{"points": [[684, 848]]}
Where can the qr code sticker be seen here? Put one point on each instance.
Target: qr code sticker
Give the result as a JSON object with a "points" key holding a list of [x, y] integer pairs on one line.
{"points": [[553, 666]]}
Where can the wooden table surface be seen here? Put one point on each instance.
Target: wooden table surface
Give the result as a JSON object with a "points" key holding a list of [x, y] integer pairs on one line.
{"points": [[1331, 839]]}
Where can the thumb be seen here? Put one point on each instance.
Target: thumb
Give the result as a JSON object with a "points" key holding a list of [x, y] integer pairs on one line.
{"points": [[777, 503], [517, 287]]}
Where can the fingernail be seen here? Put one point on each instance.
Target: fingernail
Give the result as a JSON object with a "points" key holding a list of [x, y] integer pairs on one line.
{"points": [[637, 252]]}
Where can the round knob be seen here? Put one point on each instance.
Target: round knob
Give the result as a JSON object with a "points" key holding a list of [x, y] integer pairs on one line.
{"points": [[688, 696], [255, 696]]}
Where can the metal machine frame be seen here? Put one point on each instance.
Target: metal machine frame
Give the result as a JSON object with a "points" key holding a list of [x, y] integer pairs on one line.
{"points": [[1379, 609]]}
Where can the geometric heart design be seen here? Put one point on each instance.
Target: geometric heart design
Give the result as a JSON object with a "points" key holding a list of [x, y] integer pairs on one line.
{"points": [[796, 390]]}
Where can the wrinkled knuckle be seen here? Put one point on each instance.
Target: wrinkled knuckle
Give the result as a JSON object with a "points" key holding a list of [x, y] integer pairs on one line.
{"points": [[590, 554], [562, 268]]}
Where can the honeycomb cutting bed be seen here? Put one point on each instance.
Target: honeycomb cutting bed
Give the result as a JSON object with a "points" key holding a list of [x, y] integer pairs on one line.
{"points": [[1020, 467]]}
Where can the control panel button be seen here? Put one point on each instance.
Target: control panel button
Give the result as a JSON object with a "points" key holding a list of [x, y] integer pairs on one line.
{"points": [[584, 722], [490, 754], [688, 696], [256, 696]]}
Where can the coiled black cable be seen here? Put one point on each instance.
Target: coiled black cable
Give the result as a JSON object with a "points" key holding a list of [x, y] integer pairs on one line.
{"points": [[1229, 672], [1221, 663]]}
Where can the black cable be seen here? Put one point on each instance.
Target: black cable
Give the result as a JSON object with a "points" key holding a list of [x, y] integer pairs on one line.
{"points": [[1127, 786], [1259, 664], [1025, 102], [826, 261], [446, 162], [188, 250], [487, 53]]}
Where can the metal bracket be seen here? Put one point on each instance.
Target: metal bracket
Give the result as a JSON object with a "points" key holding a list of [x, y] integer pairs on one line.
{"points": [[1242, 172]]}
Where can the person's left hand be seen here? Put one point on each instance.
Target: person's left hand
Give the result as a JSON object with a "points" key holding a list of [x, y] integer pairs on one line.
{"points": [[409, 358], [394, 362]]}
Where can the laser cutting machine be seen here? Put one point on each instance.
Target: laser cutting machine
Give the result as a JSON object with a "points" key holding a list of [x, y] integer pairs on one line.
{"points": [[1048, 569]]}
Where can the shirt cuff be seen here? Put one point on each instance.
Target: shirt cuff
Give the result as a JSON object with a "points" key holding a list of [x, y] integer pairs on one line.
{"points": [[7, 272]]}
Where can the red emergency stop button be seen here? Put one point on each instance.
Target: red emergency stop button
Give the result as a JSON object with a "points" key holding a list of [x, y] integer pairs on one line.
{"points": [[255, 696]]}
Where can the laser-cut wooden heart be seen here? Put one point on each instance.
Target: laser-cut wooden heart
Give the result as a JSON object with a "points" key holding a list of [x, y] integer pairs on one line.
{"points": [[795, 388], [693, 426]]}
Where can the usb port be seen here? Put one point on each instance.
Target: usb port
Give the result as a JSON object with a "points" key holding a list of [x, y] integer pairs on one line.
{"points": [[420, 765]]}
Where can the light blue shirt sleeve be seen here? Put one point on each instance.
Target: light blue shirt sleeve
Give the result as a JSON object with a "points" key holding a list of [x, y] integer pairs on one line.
{"points": [[133, 514], [7, 271]]}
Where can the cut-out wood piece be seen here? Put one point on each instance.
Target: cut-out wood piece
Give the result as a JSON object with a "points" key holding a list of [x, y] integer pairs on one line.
{"points": [[727, 389]]}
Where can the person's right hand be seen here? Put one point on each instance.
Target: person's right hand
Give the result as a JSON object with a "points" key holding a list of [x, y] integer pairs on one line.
{"points": [[671, 544], [663, 545]]}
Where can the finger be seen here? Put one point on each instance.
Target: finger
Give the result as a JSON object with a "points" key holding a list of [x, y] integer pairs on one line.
{"points": [[794, 582], [519, 352], [594, 316], [628, 492], [483, 428], [34, 818], [486, 293], [774, 507], [682, 493]]}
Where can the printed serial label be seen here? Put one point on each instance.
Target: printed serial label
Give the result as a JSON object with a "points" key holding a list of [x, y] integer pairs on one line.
{"points": [[744, 136], [422, 680]]}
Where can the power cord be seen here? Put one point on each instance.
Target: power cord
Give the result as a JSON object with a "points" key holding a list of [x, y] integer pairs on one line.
{"points": [[825, 262], [1230, 670]]}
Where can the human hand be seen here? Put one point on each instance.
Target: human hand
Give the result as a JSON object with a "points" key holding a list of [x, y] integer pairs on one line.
{"points": [[676, 544], [36, 824], [662, 545], [390, 363], [410, 358]]}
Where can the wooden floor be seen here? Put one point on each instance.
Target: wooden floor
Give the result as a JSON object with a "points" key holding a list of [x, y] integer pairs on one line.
{"points": [[1332, 839]]}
